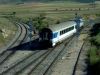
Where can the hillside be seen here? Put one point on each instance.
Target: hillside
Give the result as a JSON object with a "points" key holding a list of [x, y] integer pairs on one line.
{"points": [[22, 1]]}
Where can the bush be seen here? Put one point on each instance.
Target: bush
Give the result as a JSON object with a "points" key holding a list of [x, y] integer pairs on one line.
{"points": [[97, 39], [95, 29], [94, 52], [93, 55]]}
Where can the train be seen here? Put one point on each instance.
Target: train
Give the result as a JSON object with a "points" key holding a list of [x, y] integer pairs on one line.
{"points": [[57, 33]]}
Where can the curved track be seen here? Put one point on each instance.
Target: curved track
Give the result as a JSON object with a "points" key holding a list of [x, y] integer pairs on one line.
{"points": [[22, 32], [36, 62], [85, 31]]}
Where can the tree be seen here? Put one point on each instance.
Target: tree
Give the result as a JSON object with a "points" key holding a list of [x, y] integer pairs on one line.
{"points": [[13, 13]]}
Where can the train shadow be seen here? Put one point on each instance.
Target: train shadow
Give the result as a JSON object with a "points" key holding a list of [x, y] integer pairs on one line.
{"points": [[31, 46]]}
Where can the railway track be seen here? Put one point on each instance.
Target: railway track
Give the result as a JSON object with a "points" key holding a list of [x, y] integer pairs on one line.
{"points": [[29, 64], [85, 44], [47, 63], [18, 39], [75, 66], [69, 58], [36, 62], [6, 54]]}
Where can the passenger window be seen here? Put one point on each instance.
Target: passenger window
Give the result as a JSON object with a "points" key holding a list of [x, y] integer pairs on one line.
{"points": [[63, 32], [55, 35], [60, 32], [66, 30]]}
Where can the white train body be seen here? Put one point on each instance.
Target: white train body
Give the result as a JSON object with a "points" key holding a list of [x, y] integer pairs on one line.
{"points": [[59, 32]]}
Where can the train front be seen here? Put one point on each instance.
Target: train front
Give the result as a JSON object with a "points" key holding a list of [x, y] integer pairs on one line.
{"points": [[45, 37]]}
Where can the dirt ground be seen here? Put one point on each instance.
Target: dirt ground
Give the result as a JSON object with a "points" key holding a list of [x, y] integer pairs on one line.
{"points": [[66, 64]]}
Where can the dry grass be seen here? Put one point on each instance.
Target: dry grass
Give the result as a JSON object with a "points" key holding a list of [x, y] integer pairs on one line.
{"points": [[53, 9], [8, 29]]}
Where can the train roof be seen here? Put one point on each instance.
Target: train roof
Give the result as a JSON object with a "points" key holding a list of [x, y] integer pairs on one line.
{"points": [[61, 26]]}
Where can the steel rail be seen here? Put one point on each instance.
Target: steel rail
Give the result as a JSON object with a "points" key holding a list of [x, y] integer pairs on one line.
{"points": [[5, 55]]}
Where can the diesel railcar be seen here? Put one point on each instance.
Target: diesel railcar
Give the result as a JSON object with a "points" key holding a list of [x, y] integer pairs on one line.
{"points": [[57, 33]]}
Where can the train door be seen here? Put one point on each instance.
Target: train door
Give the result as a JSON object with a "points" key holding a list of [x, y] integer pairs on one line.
{"points": [[45, 34]]}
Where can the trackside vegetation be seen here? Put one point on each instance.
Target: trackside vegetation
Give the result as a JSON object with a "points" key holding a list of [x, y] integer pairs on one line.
{"points": [[44, 14], [94, 52], [7, 31], [40, 21]]}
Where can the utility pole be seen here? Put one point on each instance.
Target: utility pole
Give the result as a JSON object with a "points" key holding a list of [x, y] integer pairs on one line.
{"points": [[77, 20], [30, 24]]}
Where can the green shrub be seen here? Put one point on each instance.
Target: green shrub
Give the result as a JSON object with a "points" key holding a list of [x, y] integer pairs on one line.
{"points": [[93, 56], [97, 39]]}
